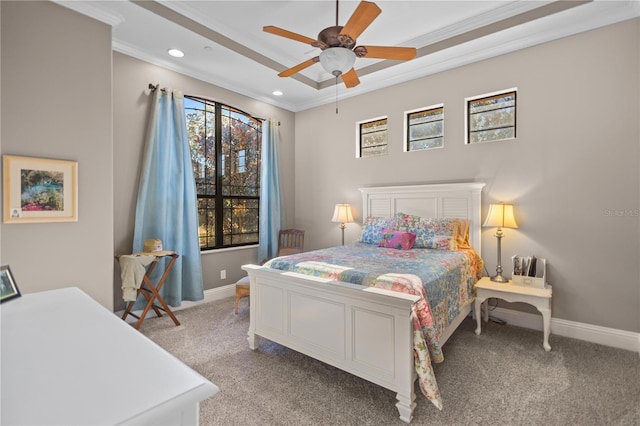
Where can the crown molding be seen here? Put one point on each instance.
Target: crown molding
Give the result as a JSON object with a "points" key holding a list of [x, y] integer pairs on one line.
{"points": [[93, 10], [129, 50]]}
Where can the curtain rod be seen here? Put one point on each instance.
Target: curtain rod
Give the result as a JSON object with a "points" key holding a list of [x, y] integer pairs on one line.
{"points": [[154, 88]]}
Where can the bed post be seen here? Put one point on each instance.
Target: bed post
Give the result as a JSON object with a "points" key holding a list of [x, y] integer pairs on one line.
{"points": [[405, 367], [405, 407], [406, 401]]}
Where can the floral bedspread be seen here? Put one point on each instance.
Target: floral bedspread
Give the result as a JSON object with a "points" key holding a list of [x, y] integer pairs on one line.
{"points": [[443, 279]]}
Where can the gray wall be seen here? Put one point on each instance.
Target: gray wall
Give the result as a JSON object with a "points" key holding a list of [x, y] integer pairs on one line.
{"points": [[575, 161], [131, 78], [56, 103], [57, 65]]}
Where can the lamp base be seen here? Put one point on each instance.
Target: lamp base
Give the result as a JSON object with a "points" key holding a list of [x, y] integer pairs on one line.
{"points": [[498, 278]]}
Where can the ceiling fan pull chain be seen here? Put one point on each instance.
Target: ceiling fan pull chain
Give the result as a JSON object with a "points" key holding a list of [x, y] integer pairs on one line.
{"points": [[336, 95]]}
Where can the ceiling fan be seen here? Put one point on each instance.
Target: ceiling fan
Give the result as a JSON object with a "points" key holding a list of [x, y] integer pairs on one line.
{"points": [[338, 45]]}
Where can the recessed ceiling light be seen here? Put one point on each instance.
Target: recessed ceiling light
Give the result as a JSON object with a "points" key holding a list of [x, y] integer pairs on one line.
{"points": [[277, 93], [176, 53]]}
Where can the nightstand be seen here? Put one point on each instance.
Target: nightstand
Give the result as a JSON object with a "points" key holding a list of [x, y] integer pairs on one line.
{"points": [[538, 297]]}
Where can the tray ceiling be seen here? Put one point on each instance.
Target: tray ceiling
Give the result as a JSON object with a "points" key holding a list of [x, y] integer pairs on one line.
{"points": [[224, 43]]}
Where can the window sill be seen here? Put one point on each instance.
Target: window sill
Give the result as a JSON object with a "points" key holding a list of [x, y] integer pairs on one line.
{"points": [[222, 250]]}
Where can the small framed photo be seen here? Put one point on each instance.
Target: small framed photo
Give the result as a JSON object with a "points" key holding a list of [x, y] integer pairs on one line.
{"points": [[39, 190], [8, 285]]}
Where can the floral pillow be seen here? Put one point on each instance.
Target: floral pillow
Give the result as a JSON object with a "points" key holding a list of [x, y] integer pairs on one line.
{"points": [[397, 239], [440, 242], [433, 233], [373, 226]]}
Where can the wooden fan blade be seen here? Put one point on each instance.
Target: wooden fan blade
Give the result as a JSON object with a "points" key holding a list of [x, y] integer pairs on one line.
{"points": [[288, 34], [389, 52], [362, 17], [306, 64], [350, 78]]}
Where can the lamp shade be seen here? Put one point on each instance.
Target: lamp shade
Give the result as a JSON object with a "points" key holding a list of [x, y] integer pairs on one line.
{"points": [[337, 60], [501, 215], [342, 214]]}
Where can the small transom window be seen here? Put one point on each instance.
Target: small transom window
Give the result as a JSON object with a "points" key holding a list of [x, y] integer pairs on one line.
{"points": [[491, 117], [372, 137], [424, 128]]}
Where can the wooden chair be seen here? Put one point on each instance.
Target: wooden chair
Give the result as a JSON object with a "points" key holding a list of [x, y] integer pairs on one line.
{"points": [[290, 241]]}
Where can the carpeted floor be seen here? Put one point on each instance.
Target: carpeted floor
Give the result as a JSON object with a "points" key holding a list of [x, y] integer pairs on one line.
{"points": [[502, 377]]}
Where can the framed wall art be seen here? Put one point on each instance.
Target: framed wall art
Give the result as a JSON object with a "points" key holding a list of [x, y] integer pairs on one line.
{"points": [[8, 286], [39, 190]]}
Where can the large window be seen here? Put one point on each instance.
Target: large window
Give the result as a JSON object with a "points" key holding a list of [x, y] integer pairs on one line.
{"points": [[225, 153], [491, 117]]}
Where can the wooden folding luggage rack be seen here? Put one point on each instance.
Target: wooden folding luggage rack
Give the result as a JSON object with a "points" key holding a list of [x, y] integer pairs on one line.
{"points": [[151, 292]]}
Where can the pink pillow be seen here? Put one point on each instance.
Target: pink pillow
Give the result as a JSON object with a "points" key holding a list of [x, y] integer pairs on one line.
{"points": [[397, 239]]}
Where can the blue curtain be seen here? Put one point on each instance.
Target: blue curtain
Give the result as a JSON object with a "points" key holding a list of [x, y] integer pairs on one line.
{"points": [[271, 212], [166, 207]]}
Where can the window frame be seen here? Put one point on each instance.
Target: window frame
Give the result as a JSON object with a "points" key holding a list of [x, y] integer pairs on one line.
{"points": [[467, 109], [359, 136], [426, 109], [220, 197]]}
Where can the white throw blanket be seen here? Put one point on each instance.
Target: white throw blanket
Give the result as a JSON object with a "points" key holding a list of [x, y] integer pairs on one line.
{"points": [[132, 270]]}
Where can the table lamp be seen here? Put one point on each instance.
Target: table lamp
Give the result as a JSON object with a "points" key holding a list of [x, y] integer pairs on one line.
{"points": [[342, 214], [500, 215]]}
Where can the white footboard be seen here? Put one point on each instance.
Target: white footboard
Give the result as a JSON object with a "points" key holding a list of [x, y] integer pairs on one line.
{"points": [[362, 330]]}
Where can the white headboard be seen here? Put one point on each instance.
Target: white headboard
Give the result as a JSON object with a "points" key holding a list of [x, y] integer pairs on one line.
{"points": [[445, 200]]}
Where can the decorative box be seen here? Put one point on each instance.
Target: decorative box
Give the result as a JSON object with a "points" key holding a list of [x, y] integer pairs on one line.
{"points": [[537, 281]]}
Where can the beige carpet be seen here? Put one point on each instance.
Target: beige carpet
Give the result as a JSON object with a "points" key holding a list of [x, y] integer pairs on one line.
{"points": [[502, 377]]}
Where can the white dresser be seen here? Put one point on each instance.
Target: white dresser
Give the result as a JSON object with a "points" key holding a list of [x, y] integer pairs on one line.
{"points": [[66, 360]]}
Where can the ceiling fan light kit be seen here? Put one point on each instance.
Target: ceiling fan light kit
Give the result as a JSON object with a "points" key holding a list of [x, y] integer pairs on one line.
{"points": [[338, 45], [337, 60]]}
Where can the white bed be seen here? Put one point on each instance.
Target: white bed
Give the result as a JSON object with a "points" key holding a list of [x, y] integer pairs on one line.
{"points": [[365, 331]]}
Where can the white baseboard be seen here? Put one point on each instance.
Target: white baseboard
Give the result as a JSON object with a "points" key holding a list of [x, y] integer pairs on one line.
{"points": [[591, 333], [209, 296], [220, 292]]}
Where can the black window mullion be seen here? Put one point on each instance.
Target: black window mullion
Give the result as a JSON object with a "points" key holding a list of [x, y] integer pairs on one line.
{"points": [[360, 142], [219, 171], [488, 129]]}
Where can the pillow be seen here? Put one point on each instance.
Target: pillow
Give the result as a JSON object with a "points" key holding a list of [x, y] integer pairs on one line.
{"points": [[373, 226], [441, 242], [397, 239], [433, 233]]}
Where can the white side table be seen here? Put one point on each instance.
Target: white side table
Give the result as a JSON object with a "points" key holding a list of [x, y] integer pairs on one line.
{"points": [[538, 297]]}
